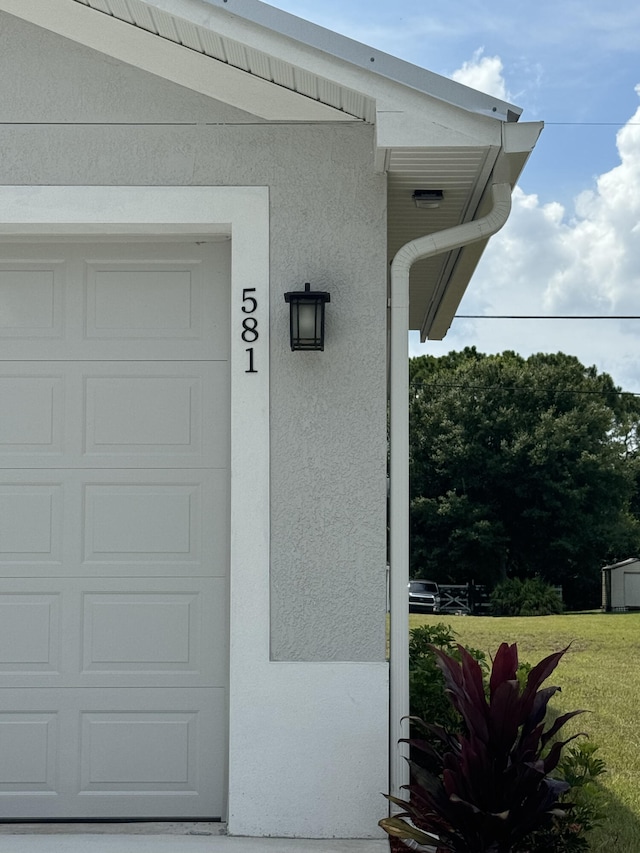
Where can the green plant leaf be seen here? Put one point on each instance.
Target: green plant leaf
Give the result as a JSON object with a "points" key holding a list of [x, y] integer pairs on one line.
{"points": [[399, 828]]}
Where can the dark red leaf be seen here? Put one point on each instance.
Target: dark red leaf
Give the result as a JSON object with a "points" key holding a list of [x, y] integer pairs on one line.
{"points": [[504, 719], [505, 666], [551, 760], [539, 707], [539, 675], [557, 725]]}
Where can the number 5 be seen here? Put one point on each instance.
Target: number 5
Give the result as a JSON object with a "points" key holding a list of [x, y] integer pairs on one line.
{"points": [[253, 302]]}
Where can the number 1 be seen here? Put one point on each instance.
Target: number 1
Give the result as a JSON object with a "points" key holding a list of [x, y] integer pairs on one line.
{"points": [[251, 367]]}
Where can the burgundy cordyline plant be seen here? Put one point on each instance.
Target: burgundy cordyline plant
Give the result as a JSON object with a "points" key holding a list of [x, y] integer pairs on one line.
{"points": [[486, 790]]}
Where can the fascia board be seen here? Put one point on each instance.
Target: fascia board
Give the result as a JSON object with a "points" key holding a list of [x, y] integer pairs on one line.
{"points": [[241, 14], [171, 61], [519, 142], [409, 120], [442, 319], [405, 117], [398, 104], [522, 137]]}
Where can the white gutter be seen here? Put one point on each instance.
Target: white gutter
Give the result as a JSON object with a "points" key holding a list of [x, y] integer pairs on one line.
{"points": [[416, 250]]}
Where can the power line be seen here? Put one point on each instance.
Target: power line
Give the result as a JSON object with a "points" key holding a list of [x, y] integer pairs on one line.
{"points": [[547, 317], [592, 123]]}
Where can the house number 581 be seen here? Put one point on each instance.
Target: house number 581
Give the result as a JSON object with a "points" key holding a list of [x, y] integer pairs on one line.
{"points": [[250, 325]]}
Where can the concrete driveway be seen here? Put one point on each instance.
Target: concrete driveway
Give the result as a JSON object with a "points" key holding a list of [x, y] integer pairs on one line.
{"points": [[195, 839]]}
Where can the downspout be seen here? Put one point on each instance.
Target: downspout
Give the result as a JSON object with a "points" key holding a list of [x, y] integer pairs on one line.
{"points": [[416, 250]]}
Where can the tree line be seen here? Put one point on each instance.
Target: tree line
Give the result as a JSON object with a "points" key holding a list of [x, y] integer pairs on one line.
{"points": [[521, 468]]}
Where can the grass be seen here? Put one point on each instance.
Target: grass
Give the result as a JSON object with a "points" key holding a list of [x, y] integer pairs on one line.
{"points": [[599, 673]]}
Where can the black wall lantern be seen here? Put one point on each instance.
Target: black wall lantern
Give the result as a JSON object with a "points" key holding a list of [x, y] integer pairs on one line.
{"points": [[306, 317]]}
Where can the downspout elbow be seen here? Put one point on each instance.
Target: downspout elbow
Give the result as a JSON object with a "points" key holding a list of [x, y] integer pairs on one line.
{"points": [[454, 238]]}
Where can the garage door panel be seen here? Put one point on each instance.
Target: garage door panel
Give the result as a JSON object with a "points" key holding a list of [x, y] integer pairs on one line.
{"points": [[29, 632], [113, 632], [141, 631], [123, 752], [32, 411], [136, 751], [31, 523], [140, 414], [38, 401], [143, 299], [29, 752], [133, 523], [156, 633], [152, 415], [115, 302], [31, 297], [142, 522], [159, 413], [42, 511], [135, 526]]}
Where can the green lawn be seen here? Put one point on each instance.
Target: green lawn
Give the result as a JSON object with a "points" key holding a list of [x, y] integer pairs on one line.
{"points": [[599, 673]]}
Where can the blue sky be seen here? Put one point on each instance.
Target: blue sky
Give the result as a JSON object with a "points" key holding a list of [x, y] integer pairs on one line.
{"points": [[572, 244]]}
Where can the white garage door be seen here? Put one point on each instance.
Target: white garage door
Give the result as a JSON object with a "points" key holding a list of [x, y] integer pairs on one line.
{"points": [[114, 442]]}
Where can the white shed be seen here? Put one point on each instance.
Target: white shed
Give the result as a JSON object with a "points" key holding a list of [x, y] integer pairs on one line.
{"points": [[621, 586]]}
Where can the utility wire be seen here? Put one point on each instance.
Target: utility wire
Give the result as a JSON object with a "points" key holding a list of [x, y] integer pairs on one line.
{"points": [[547, 317], [592, 123], [197, 123]]}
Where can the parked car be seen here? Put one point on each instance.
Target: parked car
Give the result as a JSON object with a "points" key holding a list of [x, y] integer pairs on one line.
{"points": [[424, 597]]}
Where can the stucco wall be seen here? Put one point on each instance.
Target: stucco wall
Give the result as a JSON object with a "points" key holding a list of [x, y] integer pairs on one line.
{"points": [[76, 117]]}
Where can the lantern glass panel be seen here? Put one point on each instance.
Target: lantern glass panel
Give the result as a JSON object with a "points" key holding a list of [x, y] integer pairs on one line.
{"points": [[306, 320]]}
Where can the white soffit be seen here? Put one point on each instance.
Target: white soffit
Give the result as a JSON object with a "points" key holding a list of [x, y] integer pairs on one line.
{"points": [[462, 174]]}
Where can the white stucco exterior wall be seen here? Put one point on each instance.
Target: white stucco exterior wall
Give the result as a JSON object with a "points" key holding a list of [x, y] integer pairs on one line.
{"points": [[309, 681], [327, 224]]}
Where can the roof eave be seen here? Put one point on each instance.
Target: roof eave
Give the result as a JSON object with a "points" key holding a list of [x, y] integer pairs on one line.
{"points": [[334, 62], [318, 52], [363, 56], [518, 143], [172, 61]]}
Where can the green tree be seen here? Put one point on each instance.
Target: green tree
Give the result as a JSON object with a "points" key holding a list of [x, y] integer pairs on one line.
{"points": [[521, 467]]}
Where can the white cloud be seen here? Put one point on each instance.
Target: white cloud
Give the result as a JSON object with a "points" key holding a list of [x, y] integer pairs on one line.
{"points": [[549, 261], [484, 73]]}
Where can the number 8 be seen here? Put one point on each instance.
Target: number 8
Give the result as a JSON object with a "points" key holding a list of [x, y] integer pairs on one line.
{"points": [[250, 330]]}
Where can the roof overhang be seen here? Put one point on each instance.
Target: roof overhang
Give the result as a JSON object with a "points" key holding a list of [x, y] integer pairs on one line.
{"points": [[430, 131], [437, 285], [174, 49]]}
